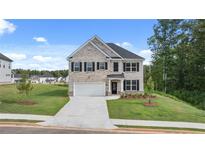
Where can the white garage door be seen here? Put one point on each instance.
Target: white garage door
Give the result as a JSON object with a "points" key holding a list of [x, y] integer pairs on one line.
{"points": [[89, 89]]}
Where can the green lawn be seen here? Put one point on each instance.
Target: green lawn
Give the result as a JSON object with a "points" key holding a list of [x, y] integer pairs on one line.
{"points": [[48, 98], [168, 110]]}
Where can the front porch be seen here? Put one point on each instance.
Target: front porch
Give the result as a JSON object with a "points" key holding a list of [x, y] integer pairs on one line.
{"points": [[115, 84]]}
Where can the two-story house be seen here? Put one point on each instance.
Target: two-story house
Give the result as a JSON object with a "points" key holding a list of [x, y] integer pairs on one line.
{"points": [[100, 69], [5, 69]]}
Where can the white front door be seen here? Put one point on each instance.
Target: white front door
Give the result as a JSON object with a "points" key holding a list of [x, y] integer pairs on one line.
{"points": [[89, 89]]}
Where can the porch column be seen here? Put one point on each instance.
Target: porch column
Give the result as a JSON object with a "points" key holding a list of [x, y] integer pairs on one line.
{"points": [[109, 85], [122, 86]]}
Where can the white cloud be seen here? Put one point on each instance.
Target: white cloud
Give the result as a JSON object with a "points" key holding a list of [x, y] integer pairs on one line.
{"points": [[42, 58], [147, 55], [57, 56], [16, 56], [40, 39], [6, 27], [125, 44]]}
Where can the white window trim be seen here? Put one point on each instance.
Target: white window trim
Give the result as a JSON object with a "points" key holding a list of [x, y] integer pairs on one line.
{"points": [[114, 67], [74, 66], [102, 64], [133, 67], [89, 67], [130, 85], [130, 66]]}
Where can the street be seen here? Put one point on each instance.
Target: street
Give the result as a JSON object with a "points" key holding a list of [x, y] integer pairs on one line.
{"points": [[35, 129]]}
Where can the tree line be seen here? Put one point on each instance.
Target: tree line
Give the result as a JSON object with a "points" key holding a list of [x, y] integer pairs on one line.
{"points": [[178, 59], [56, 73]]}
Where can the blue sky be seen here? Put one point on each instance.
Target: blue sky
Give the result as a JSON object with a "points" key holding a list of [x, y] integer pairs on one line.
{"points": [[45, 44]]}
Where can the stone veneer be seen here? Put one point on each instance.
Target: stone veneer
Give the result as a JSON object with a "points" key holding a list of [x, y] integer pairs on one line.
{"points": [[89, 53]]}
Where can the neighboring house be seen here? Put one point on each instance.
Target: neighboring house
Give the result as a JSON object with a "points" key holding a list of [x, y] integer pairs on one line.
{"points": [[67, 79], [47, 78], [35, 79], [98, 69], [5, 69], [16, 78]]}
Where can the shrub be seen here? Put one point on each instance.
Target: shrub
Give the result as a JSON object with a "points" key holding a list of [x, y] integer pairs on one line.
{"points": [[195, 98]]}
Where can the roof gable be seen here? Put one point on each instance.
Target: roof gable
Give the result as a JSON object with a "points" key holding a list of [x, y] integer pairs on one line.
{"points": [[90, 41], [110, 50], [101, 44]]}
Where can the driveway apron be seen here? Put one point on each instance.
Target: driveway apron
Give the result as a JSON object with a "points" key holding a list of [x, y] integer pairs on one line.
{"points": [[82, 112]]}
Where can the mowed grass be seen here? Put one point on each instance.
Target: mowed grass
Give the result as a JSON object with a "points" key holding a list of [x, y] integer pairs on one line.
{"points": [[168, 109], [49, 99]]}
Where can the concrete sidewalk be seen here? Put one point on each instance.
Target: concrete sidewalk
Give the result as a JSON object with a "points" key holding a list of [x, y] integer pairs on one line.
{"points": [[5, 116], [125, 122]]}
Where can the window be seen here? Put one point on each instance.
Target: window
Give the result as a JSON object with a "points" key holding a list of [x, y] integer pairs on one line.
{"points": [[76, 66], [127, 85], [131, 85], [115, 66], [89, 66], [127, 67], [3, 66], [134, 84], [101, 65], [134, 67], [131, 67], [9, 67]]}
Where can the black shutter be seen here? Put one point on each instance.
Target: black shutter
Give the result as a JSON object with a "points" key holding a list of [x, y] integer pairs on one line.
{"points": [[123, 67], [106, 65], [72, 66], [138, 85], [97, 65], [137, 67], [93, 66], [124, 85], [85, 65], [80, 66]]}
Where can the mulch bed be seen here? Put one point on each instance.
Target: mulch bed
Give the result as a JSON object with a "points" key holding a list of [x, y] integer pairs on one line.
{"points": [[139, 96], [27, 102], [150, 104]]}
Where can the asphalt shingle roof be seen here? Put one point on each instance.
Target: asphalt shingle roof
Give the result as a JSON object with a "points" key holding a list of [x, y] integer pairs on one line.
{"points": [[124, 53], [5, 58], [116, 75]]}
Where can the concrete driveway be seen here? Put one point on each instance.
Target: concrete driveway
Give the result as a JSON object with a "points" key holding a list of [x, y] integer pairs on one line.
{"points": [[82, 112]]}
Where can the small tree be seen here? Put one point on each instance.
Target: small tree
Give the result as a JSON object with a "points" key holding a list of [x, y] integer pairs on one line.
{"points": [[24, 86], [150, 87]]}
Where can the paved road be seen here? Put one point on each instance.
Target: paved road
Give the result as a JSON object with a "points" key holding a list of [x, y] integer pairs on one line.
{"points": [[44, 130], [14, 129], [82, 112]]}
